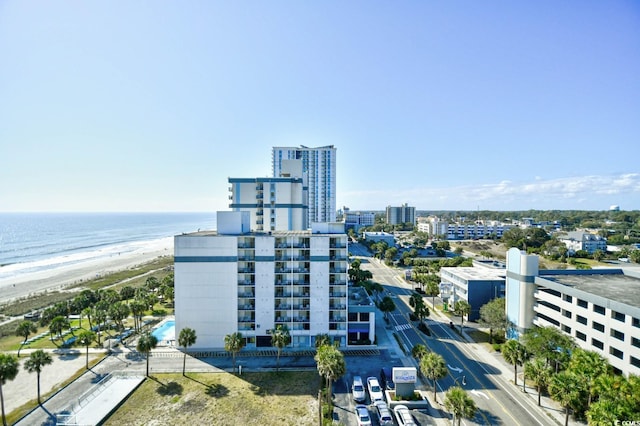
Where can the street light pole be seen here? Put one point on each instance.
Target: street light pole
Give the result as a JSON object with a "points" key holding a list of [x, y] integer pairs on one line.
{"points": [[464, 380]]}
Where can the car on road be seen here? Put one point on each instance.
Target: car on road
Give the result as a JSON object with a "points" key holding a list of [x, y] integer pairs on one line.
{"points": [[357, 390], [362, 415], [404, 416], [383, 413], [386, 378], [375, 390]]}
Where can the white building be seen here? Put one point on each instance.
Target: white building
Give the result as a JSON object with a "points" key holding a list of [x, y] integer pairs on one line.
{"points": [[463, 231], [319, 165], [236, 280], [599, 308], [578, 240], [356, 219], [274, 203]]}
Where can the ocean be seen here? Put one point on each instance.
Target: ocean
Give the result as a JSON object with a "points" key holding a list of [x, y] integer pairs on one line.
{"points": [[33, 242]]}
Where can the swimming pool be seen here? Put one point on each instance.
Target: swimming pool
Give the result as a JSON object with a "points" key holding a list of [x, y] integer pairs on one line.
{"points": [[165, 332]]}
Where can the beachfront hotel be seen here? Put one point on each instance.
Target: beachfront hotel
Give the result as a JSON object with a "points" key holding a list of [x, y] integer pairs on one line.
{"points": [[238, 279], [599, 308], [319, 165]]}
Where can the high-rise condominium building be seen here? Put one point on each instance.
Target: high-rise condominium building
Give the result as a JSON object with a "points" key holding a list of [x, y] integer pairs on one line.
{"points": [[402, 214], [233, 280], [319, 166]]}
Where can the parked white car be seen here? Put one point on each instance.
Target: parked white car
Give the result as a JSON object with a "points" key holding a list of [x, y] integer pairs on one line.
{"points": [[404, 416], [357, 390], [375, 391]]}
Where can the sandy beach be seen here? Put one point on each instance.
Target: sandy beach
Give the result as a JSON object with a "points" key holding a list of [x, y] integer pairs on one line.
{"points": [[36, 282]]}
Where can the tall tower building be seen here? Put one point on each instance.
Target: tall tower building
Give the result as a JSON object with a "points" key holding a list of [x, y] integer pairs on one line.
{"points": [[402, 214], [319, 166]]}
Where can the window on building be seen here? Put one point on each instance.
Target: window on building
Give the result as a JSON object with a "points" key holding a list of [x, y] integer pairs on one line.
{"points": [[618, 316], [566, 313], [353, 316], [636, 322], [635, 342], [567, 298], [581, 319], [616, 352], [635, 361], [583, 303], [566, 329], [598, 326], [617, 334], [549, 305], [364, 316], [581, 336], [598, 309], [597, 343], [549, 319]]}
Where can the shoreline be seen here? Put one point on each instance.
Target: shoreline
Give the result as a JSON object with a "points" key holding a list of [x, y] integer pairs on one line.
{"points": [[24, 285]]}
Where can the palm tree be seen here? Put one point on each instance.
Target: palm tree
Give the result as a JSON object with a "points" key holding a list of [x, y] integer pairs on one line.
{"points": [[146, 342], [186, 339], [514, 353], [118, 312], [85, 338], [538, 371], [331, 365], [433, 367], [433, 288], [565, 388], [280, 339], [387, 305], [58, 325], [152, 283], [322, 339], [137, 308], [463, 308], [36, 362], [418, 352], [420, 309], [460, 404], [234, 343], [588, 365], [86, 312], [8, 371], [25, 329], [100, 316]]}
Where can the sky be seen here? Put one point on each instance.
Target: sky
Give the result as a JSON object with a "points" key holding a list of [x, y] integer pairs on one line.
{"points": [[444, 105]]}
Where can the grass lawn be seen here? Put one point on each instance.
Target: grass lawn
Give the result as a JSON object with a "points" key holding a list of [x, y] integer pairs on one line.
{"points": [[277, 398]]}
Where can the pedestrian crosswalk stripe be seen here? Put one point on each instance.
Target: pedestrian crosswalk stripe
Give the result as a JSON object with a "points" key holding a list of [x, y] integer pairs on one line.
{"points": [[403, 327]]}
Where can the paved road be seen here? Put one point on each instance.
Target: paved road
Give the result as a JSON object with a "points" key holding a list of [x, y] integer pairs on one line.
{"points": [[499, 402]]}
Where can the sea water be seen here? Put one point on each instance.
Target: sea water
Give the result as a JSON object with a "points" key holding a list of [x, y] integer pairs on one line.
{"points": [[33, 242]]}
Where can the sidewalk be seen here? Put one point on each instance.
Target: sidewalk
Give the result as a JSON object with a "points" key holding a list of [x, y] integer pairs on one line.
{"points": [[548, 407]]}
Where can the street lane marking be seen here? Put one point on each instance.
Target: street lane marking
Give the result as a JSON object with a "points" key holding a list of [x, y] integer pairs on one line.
{"points": [[403, 327]]}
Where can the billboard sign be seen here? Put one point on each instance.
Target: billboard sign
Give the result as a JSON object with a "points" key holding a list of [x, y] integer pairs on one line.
{"points": [[404, 374]]}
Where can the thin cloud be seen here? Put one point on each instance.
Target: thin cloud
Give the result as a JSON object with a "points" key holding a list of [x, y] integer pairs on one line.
{"points": [[505, 195]]}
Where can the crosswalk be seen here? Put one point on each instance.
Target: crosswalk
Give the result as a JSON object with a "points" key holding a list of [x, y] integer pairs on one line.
{"points": [[403, 327]]}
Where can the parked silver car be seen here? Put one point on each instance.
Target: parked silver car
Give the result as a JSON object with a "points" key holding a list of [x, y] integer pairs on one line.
{"points": [[384, 415]]}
